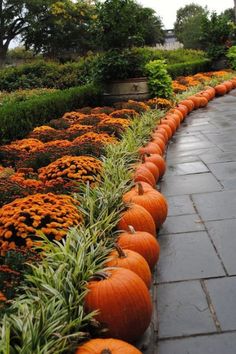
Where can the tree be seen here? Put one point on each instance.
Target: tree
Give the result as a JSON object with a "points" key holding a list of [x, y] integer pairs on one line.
{"points": [[217, 33], [123, 23], [62, 28], [188, 25], [12, 23]]}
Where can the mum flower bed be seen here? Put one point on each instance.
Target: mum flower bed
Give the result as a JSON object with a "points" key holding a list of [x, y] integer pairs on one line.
{"points": [[56, 291]]}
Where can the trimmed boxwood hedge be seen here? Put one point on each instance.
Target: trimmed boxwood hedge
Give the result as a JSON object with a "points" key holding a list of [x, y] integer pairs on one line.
{"points": [[188, 68], [17, 119]]}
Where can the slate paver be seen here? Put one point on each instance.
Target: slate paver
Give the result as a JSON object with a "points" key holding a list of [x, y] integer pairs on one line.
{"points": [[217, 205], [223, 295], [195, 281], [213, 344], [182, 223], [211, 157], [183, 310], [223, 170], [186, 168], [223, 235], [189, 184], [187, 256], [180, 205]]}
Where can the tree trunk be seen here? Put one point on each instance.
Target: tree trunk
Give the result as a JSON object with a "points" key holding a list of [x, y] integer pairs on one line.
{"points": [[3, 55]]}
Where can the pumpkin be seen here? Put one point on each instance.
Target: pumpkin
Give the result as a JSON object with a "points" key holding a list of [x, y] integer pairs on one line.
{"points": [[203, 100], [171, 124], [131, 260], [175, 118], [139, 218], [167, 128], [123, 303], [151, 167], [143, 174], [220, 90], [152, 200], [188, 103], [141, 242], [160, 130], [150, 148], [195, 100], [107, 346], [178, 112], [158, 141], [233, 81], [158, 161], [183, 109], [228, 84], [211, 91], [205, 94]]}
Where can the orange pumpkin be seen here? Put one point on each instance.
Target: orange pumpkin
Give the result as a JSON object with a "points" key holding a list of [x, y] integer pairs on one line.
{"points": [[233, 81], [220, 90], [188, 103], [228, 85], [152, 200], [174, 117], [151, 167], [143, 174], [158, 161], [203, 100], [195, 100], [139, 218], [167, 129], [183, 109], [107, 346], [141, 242], [211, 91], [150, 148], [131, 260], [123, 302], [160, 143], [171, 124], [160, 130], [177, 111]]}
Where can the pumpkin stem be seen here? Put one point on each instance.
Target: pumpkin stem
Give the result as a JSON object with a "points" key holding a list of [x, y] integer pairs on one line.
{"points": [[120, 251], [131, 229], [143, 158], [106, 351], [140, 189]]}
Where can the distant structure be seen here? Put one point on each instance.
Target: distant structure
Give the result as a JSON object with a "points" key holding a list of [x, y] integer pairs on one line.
{"points": [[170, 41]]}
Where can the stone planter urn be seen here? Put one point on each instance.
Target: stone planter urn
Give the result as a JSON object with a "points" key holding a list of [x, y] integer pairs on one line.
{"points": [[128, 89]]}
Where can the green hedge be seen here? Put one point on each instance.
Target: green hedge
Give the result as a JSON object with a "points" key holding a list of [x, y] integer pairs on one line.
{"points": [[188, 68], [19, 119], [47, 74], [109, 65]]}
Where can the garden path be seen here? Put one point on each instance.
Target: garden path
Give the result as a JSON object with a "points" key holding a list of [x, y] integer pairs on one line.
{"points": [[195, 282]]}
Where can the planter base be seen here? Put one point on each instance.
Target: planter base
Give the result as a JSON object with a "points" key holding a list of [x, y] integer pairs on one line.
{"points": [[123, 90]]}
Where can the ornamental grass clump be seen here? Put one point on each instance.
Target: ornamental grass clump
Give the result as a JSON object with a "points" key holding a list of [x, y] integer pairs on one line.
{"points": [[22, 219], [80, 169]]}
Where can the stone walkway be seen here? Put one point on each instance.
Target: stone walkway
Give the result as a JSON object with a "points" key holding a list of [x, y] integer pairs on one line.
{"points": [[195, 282]]}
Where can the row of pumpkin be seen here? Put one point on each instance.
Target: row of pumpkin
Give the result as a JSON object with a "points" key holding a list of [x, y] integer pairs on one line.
{"points": [[119, 288], [137, 250]]}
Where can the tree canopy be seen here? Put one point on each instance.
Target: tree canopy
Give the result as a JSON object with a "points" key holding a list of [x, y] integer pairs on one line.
{"points": [[123, 23], [188, 25]]}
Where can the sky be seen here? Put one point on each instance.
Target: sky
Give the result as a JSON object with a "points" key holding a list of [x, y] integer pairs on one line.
{"points": [[167, 9]]}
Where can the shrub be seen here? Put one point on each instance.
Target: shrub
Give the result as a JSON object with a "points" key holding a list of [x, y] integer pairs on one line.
{"points": [[231, 55], [188, 68], [159, 82], [122, 64], [19, 119]]}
